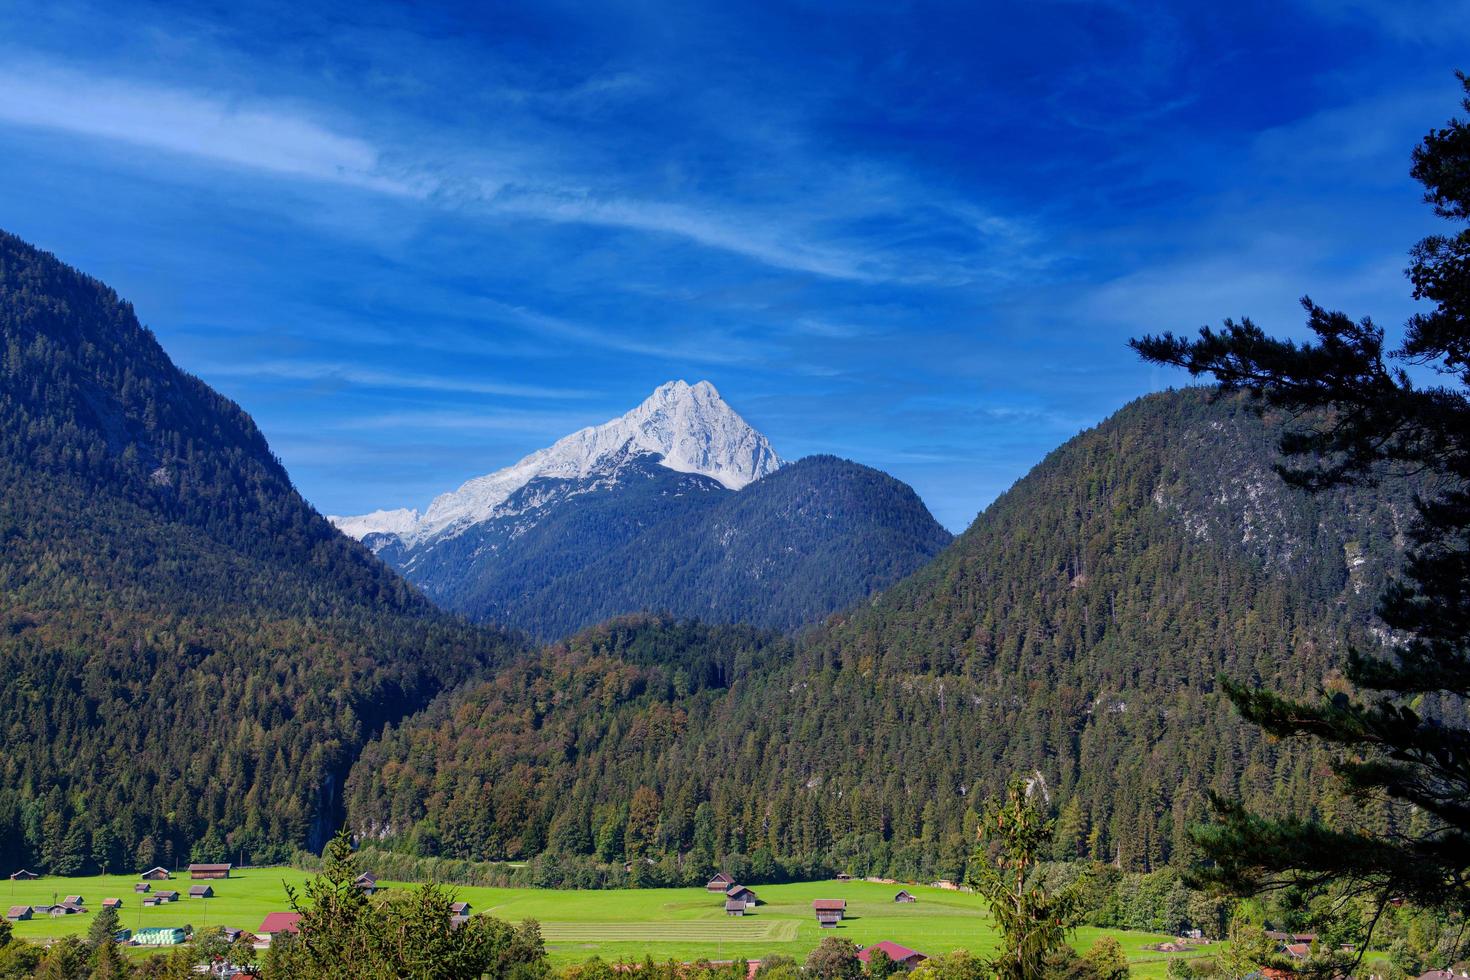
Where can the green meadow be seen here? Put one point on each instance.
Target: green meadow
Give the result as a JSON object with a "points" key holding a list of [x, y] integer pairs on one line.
{"points": [[677, 923]]}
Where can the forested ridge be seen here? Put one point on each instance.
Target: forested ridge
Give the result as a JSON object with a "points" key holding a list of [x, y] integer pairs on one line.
{"points": [[191, 654], [1074, 633], [784, 552]]}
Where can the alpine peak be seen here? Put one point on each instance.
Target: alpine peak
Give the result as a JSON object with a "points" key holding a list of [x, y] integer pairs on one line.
{"points": [[689, 427]]}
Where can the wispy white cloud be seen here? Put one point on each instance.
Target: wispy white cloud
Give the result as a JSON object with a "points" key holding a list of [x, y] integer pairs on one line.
{"points": [[342, 373], [803, 233], [215, 128]]}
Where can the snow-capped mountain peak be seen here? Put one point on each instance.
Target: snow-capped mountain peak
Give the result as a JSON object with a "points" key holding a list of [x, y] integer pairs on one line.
{"points": [[690, 427]]}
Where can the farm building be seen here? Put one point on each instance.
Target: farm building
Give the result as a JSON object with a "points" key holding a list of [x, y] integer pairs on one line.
{"points": [[734, 906], [828, 918], [904, 896], [19, 913], [901, 955], [837, 905], [157, 936], [201, 891], [150, 901], [74, 900], [367, 883], [844, 876], [65, 908], [719, 882], [455, 921], [112, 903], [143, 887], [740, 893], [278, 922], [156, 874], [166, 896], [209, 870], [24, 875], [460, 908]]}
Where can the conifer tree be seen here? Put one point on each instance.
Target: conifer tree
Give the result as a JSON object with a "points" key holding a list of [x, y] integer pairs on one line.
{"points": [[1399, 732]]}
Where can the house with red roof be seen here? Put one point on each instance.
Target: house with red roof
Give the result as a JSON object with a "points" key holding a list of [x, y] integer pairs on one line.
{"points": [[279, 922], [901, 955]]}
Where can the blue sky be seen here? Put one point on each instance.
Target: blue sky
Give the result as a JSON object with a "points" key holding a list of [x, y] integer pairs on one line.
{"points": [[416, 244]]}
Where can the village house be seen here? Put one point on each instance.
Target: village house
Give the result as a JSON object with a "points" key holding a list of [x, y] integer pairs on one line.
{"points": [[19, 913], [719, 882], [201, 891], [24, 875], [278, 922], [156, 874], [904, 957], [739, 893], [734, 906], [209, 870], [904, 896]]}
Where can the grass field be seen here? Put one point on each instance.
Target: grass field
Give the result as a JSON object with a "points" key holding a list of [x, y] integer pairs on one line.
{"points": [[682, 923]]}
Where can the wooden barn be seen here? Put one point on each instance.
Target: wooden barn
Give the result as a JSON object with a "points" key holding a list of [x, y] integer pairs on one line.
{"points": [[197, 871], [828, 918], [112, 903], [156, 874], [837, 906], [719, 882], [201, 891], [19, 913], [166, 896], [143, 887], [734, 906], [367, 883], [904, 896], [739, 893], [24, 875]]}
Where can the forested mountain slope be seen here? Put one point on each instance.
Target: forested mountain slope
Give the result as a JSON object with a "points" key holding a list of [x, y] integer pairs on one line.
{"points": [[188, 651], [1074, 632]]}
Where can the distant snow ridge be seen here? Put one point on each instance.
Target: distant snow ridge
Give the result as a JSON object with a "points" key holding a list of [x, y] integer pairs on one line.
{"points": [[689, 427]]}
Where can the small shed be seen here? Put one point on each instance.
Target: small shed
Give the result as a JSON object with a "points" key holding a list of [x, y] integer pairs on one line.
{"points": [[156, 874], [74, 900], [367, 883], [23, 875], [201, 891], [57, 911], [209, 870], [150, 901], [112, 903], [460, 908], [19, 913], [740, 893], [166, 896], [828, 918], [904, 957], [455, 921], [719, 882], [734, 906], [837, 906], [904, 896], [143, 887]]}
